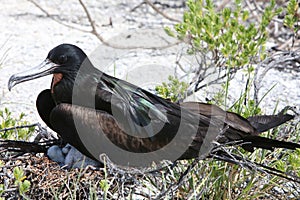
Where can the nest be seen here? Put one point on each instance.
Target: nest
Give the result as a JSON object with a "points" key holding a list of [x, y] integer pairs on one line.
{"points": [[49, 180]]}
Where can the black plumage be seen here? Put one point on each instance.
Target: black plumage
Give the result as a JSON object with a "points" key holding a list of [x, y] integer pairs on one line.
{"points": [[87, 107]]}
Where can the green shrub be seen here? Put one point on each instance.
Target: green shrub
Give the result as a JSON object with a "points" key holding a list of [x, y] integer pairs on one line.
{"points": [[174, 90], [20, 181], [7, 121], [233, 41]]}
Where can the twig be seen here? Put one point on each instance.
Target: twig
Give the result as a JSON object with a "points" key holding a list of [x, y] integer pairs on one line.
{"points": [[182, 178], [27, 147], [137, 6], [160, 12], [285, 44], [92, 22], [19, 127], [227, 156]]}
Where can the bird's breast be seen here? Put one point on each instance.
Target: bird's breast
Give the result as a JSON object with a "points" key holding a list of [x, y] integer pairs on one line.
{"points": [[61, 89]]}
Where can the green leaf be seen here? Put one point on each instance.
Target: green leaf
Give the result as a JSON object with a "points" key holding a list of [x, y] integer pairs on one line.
{"points": [[104, 185], [2, 190], [169, 31], [245, 15], [24, 187], [18, 173]]}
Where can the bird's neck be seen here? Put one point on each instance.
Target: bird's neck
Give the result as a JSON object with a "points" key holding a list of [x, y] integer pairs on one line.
{"points": [[79, 89], [61, 90]]}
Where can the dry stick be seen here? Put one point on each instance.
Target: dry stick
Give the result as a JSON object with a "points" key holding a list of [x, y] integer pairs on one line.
{"points": [[252, 10], [19, 127], [94, 30], [182, 178], [92, 23], [285, 44], [160, 12], [245, 163], [155, 9], [136, 7], [195, 86], [27, 147]]}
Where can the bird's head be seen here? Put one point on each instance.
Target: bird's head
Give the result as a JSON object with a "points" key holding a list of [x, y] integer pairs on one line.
{"points": [[63, 60]]}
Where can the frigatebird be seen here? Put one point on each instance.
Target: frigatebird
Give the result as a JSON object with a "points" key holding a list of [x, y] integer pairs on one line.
{"points": [[98, 113]]}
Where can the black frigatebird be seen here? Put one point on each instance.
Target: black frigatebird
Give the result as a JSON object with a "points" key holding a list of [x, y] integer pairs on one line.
{"points": [[86, 107]]}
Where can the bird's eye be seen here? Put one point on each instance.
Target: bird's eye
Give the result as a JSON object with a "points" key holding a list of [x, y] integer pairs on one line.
{"points": [[62, 59]]}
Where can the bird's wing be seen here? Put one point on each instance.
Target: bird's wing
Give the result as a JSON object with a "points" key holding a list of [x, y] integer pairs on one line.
{"points": [[140, 100], [94, 132], [233, 120], [44, 105], [136, 108]]}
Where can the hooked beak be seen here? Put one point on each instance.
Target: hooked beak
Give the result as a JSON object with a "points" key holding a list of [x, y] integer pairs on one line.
{"points": [[45, 68]]}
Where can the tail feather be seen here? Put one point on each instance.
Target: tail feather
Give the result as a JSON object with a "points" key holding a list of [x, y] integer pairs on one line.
{"points": [[246, 130], [263, 123], [266, 143]]}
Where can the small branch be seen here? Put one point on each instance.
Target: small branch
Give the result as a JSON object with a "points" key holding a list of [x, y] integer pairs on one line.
{"points": [[136, 7], [92, 24], [27, 147], [91, 21], [222, 5], [19, 127], [286, 43], [181, 180], [160, 12]]}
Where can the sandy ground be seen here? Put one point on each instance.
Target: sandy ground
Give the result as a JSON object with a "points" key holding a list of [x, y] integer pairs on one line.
{"points": [[27, 35]]}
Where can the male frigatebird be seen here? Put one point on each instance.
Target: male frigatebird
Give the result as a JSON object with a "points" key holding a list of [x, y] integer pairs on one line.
{"points": [[97, 113]]}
